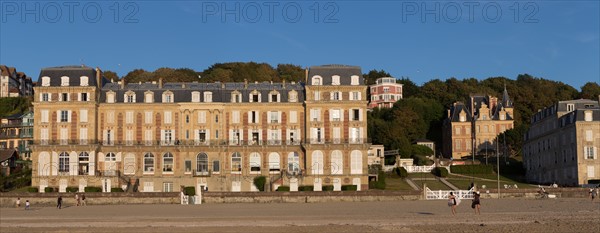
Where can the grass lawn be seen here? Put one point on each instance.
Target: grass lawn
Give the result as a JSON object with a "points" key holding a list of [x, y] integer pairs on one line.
{"points": [[432, 184], [464, 182], [421, 175], [397, 183]]}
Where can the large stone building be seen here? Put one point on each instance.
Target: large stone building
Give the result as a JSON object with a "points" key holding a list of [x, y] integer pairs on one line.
{"points": [[472, 128], [385, 92], [156, 137], [13, 83], [562, 143]]}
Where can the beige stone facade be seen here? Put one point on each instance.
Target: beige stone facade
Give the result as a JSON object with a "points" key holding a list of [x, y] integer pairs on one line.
{"points": [[156, 137], [562, 144]]}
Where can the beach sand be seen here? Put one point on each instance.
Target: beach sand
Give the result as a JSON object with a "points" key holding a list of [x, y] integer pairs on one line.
{"points": [[497, 215]]}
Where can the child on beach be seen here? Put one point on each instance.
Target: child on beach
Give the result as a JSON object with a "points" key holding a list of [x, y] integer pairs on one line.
{"points": [[26, 204]]}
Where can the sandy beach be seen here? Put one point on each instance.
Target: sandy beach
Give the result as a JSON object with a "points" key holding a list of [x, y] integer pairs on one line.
{"points": [[503, 215]]}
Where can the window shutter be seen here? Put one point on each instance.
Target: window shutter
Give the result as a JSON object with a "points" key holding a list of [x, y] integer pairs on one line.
{"points": [[269, 117], [58, 116]]}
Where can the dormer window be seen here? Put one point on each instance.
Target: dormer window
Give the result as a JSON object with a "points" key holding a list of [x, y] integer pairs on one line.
{"points": [[84, 81], [570, 107], [293, 96], [274, 96], [129, 97], [354, 80], [502, 117], [195, 96], [110, 97], [45, 81], [64, 81], [255, 96], [317, 80], [207, 96], [149, 97], [335, 80], [167, 97], [236, 97]]}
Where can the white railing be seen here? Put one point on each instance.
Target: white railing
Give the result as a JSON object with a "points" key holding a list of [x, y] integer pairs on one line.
{"points": [[388, 168], [443, 194], [415, 169]]}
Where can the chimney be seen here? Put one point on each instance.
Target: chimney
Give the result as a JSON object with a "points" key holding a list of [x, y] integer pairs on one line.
{"points": [[98, 77], [160, 83], [306, 75], [283, 84], [123, 83], [222, 85], [183, 85], [448, 113], [245, 83]]}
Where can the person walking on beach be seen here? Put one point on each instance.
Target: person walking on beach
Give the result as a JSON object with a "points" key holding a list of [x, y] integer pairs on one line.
{"points": [[78, 200], [82, 199], [476, 202], [593, 194], [452, 203], [59, 202], [18, 203], [27, 205]]}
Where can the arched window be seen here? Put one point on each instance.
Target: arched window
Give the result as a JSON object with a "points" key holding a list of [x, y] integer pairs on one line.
{"points": [[63, 162], [236, 162], [207, 97], [337, 163], [84, 160], [293, 163], [64, 81], [129, 97], [274, 96], [317, 162], [255, 96], [317, 80], [84, 81], [195, 96], [45, 81], [236, 97], [202, 162], [335, 80], [110, 157], [293, 96], [110, 97], [356, 162], [168, 162], [274, 162], [255, 162], [148, 97], [149, 162]]}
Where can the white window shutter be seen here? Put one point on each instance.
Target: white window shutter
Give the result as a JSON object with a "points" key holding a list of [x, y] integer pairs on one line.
{"points": [[69, 116], [359, 96], [268, 117], [58, 116]]}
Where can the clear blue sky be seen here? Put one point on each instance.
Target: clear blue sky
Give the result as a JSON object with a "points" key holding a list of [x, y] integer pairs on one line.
{"points": [[557, 40]]}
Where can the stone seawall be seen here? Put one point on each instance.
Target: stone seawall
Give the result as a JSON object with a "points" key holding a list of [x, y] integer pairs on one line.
{"points": [[49, 199]]}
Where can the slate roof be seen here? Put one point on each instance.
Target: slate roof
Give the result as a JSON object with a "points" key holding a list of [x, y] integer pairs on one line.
{"points": [[73, 72], [221, 92], [6, 154], [455, 112], [327, 71]]}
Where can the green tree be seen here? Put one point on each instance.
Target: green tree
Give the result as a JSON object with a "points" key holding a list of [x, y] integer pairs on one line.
{"points": [[590, 90], [110, 75]]}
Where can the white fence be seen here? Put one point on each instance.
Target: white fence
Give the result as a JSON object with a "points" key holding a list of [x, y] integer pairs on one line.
{"points": [[422, 169], [388, 168], [443, 194]]}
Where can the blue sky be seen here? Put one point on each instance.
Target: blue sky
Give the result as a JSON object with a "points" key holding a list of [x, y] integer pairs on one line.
{"points": [[557, 40]]}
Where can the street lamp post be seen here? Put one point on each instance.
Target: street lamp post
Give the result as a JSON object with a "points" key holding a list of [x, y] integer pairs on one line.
{"points": [[498, 166]]}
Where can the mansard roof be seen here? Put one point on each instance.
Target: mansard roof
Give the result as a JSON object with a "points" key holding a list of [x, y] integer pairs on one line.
{"points": [[328, 71], [221, 92], [455, 111], [73, 72]]}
